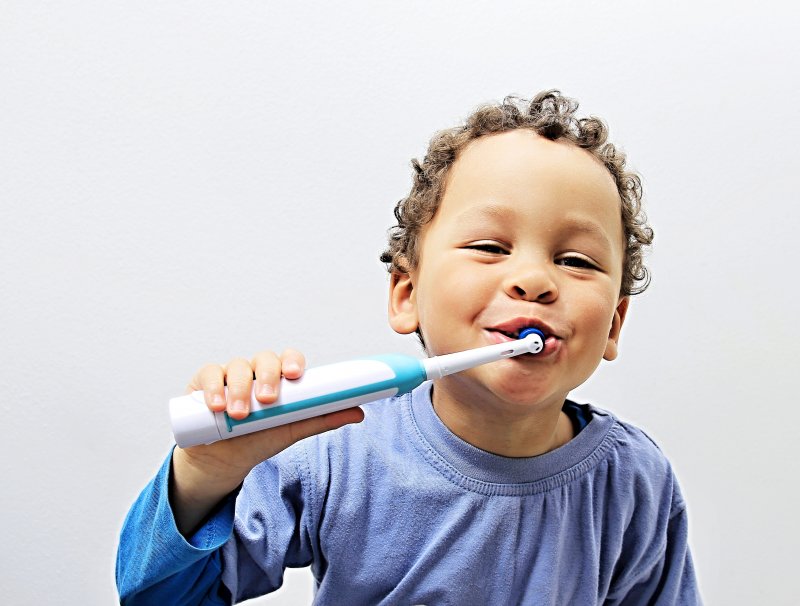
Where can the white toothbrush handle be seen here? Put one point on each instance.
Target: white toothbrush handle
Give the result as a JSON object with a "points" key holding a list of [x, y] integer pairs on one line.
{"points": [[319, 391]]}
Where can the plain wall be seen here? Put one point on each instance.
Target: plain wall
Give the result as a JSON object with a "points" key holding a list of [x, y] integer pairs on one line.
{"points": [[184, 182]]}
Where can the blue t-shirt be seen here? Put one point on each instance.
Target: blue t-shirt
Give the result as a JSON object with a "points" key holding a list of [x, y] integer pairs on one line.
{"points": [[399, 510]]}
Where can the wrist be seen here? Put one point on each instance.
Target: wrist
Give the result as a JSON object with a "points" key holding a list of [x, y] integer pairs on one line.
{"points": [[196, 487], [202, 476]]}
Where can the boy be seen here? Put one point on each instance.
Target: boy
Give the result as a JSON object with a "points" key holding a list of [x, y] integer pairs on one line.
{"points": [[487, 487]]}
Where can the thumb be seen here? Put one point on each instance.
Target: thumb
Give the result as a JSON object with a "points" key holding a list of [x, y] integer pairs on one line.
{"points": [[316, 425]]}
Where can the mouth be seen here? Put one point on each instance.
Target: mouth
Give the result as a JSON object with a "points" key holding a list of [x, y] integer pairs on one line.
{"points": [[513, 328], [509, 331]]}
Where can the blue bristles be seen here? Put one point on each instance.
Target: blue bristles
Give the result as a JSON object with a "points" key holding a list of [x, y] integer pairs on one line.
{"points": [[527, 331]]}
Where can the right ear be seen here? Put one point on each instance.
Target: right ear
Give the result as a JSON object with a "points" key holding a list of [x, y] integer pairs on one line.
{"points": [[402, 303]]}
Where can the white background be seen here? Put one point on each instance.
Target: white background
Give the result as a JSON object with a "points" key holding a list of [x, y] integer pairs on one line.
{"points": [[183, 182]]}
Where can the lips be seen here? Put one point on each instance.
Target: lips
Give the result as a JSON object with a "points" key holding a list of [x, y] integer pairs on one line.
{"points": [[551, 344], [512, 328], [509, 331]]}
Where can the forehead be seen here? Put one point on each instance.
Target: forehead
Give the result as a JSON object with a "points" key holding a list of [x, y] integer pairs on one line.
{"points": [[529, 174]]}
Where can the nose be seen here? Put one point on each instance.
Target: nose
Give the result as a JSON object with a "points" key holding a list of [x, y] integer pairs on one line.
{"points": [[531, 282]]}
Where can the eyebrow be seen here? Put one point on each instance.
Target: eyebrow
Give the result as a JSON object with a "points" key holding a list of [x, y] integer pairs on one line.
{"points": [[485, 211], [588, 227], [504, 211]]}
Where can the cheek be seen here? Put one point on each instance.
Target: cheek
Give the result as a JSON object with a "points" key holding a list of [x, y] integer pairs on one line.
{"points": [[596, 316], [448, 295], [449, 283]]}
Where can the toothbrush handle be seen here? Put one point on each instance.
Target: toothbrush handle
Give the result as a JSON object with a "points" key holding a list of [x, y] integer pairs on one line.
{"points": [[319, 391], [447, 364]]}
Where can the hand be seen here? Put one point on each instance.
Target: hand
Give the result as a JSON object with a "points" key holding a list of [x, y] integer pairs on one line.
{"points": [[203, 475]]}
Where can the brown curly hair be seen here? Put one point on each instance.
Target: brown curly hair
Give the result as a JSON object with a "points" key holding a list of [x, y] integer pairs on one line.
{"points": [[550, 115]]}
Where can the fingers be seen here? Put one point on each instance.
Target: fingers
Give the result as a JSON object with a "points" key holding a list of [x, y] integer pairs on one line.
{"points": [[293, 363], [211, 380], [239, 377], [334, 420], [266, 368]]}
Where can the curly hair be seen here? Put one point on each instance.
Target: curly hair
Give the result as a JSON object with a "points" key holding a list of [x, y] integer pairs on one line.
{"points": [[550, 115]]}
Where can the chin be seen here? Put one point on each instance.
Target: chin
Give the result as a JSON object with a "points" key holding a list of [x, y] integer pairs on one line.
{"points": [[522, 393], [526, 399]]}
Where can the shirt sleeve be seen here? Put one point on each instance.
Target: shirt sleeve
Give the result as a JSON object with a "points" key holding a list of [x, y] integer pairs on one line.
{"points": [[157, 565], [274, 527], [669, 579], [240, 552]]}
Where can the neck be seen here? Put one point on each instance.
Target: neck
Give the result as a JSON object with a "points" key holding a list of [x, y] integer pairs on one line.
{"points": [[504, 431]]}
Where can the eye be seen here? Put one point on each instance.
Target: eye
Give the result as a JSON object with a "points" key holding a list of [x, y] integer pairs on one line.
{"points": [[576, 261], [488, 247]]}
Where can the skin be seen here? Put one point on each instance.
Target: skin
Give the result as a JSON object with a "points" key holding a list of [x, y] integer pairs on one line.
{"points": [[528, 229]]}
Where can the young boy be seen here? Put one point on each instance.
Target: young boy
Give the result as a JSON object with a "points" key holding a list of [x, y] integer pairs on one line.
{"points": [[488, 486]]}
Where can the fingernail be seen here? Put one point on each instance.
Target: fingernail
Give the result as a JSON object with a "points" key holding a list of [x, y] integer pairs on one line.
{"points": [[266, 390], [290, 367], [239, 406], [218, 400]]}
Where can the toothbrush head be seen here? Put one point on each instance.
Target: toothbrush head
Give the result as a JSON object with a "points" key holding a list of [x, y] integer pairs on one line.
{"points": [[527, 331], [537, 345]]}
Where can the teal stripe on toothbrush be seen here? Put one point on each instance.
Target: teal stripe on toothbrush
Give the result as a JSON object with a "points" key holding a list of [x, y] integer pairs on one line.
{"points": [[409, 372]]}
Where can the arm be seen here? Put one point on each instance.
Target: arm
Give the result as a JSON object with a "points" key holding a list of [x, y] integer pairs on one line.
{"points": [[664, 573], [170, 547], [157, 564], [671, 579]]}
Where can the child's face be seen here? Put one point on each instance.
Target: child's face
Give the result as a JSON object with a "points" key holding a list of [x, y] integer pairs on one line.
{"points": [[528, 233]]}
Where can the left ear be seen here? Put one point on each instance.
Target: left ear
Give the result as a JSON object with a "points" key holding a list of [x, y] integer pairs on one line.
{"points": [[616, 326]]}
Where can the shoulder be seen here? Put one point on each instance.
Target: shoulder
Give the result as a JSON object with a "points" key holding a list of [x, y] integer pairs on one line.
{"points": [[637, 463], [646, 512], [633, 444]]}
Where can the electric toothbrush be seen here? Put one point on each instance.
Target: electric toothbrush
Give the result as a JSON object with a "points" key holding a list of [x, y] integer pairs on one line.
{"points": [[333, 387]]}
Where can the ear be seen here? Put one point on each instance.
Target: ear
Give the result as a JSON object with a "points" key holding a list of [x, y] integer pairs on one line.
{"points": [[402, 303], [616, 327]]}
